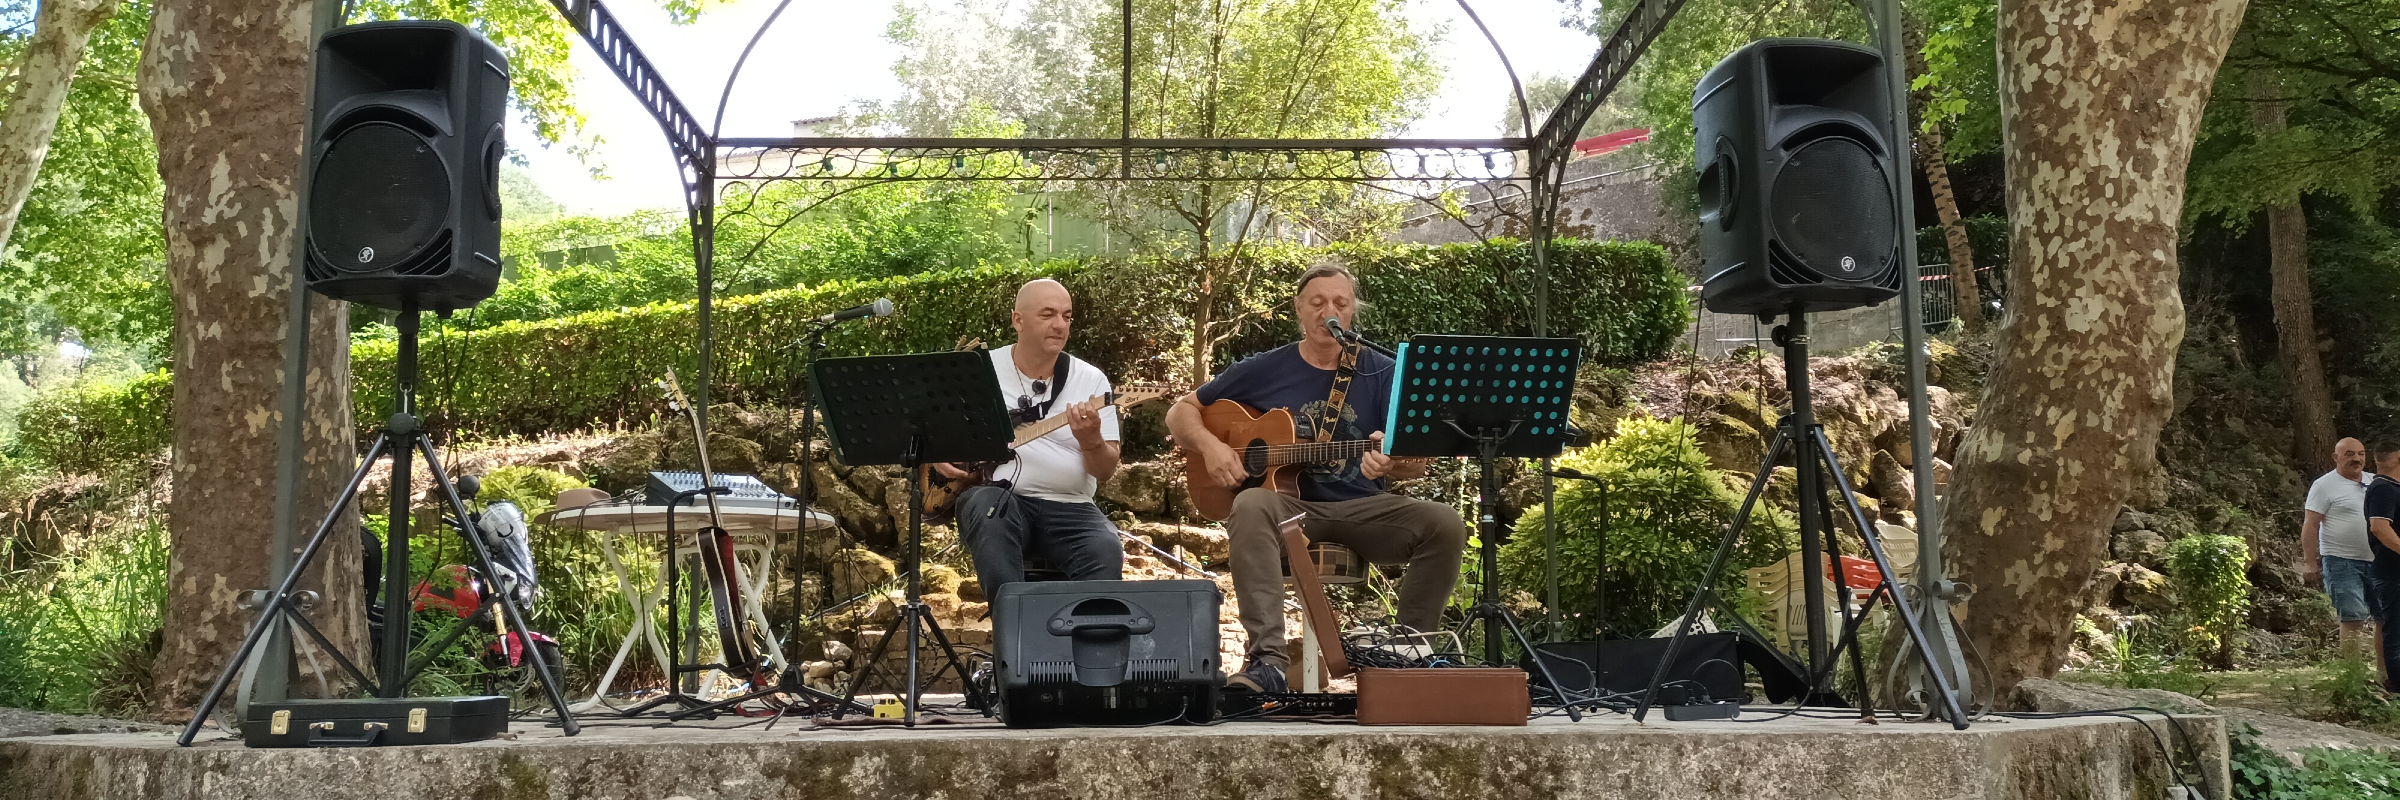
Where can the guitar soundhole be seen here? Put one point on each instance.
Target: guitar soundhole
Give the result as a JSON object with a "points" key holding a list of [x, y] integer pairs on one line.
{"points": [[1254, 458]]}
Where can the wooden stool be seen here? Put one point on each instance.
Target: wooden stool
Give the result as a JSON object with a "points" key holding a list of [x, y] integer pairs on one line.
{"points": [[1334, 565]]}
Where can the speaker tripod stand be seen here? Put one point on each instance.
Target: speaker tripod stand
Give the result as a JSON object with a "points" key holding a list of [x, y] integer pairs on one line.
{"points": [[402, 438], [1798, 431]]}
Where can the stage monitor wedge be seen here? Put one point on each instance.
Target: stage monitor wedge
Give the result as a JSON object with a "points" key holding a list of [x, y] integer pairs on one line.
{"points": [[403, 161], [1797, 203]]}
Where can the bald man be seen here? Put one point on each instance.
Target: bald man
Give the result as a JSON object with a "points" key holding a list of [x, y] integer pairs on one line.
{"points": [[2334, 536], [1042, 501]]}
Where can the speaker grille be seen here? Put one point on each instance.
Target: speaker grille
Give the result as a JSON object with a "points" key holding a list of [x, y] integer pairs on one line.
{"points": [[381, 198], [1833, 210]]}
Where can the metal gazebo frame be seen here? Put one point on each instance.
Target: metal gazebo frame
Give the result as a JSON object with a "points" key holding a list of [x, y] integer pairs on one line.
{"points": [[1538, 160]]}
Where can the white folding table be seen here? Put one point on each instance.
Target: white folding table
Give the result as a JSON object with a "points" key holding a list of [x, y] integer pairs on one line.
{"points": [[754, 530]]}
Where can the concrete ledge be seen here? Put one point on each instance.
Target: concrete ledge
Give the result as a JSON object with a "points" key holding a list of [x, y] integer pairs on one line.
{"points": [[1608, 757]]}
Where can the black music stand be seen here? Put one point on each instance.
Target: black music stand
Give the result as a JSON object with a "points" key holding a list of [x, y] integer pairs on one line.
{"points": [[913, 410], [1486, 398]]}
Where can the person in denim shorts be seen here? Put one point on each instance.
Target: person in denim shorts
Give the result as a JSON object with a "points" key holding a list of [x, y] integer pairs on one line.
{"points": [[2334, 543]]}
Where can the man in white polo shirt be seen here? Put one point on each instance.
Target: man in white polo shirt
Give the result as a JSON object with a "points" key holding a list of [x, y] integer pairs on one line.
{"points": [[1042, 501], [2333, 542]]}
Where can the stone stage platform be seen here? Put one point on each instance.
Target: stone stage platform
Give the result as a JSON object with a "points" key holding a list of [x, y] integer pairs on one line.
{"points": [[1603, 757]]}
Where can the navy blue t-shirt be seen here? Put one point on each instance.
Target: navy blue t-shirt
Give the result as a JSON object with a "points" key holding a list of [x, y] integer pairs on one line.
{"points": [[1281, 378], [2383, 502]]}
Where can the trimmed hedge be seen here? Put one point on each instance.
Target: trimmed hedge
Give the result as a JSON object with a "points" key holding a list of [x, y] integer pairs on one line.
{"points": [[1133, 320], [87, 428]]}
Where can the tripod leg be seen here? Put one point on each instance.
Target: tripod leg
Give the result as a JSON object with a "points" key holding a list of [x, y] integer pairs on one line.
{"points": [[1541, 666], [555, 693], [974, 696], [1716, 565], [850, 695], [1841, 592], [1908, 615], [275, 608]]}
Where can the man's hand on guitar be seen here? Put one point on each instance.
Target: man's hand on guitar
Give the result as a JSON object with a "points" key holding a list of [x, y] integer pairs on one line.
{"points": [[1084, 420], [1375, 465], [1224, 465], [951, 471]]}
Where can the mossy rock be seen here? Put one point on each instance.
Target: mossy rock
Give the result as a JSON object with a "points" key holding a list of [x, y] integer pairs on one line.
{"points": [[940, 580], [858, 570]]}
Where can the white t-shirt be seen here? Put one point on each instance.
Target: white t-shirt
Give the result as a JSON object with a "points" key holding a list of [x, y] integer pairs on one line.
{"points": [[2344, 503], [1051, 467]]}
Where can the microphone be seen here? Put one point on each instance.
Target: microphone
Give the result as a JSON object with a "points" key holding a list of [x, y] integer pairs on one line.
{"points": [[1570, 473], [1333, 325], [882, 307]]}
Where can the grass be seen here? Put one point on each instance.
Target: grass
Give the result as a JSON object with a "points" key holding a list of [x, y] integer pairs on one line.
{"points": [[79, 632]]}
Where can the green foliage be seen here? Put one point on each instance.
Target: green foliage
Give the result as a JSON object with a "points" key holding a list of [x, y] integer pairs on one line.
{"points": [[1665, 510], [87, 258], [2326, 773], [88, 427], [78, 632], [1487, 289], [1703, 33], [2352, 690], [594, 369], [2210, 574], [786, 234], [2333, 70], [1961, 72], [2139, 660]]}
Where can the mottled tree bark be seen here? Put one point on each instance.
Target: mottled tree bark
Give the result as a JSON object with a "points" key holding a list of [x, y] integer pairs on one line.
{"points": [[61, 31], [1934, 158], [222, 84], [2295, 312], [2099, 105]]}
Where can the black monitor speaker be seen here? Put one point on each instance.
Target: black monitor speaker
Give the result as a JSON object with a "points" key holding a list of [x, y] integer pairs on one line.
{"points": [[1106, 652], [1797, 203], [403, 161]]}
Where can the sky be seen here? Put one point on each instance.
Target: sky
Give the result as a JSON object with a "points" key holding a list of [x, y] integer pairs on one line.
{"points": [[822, 57]]}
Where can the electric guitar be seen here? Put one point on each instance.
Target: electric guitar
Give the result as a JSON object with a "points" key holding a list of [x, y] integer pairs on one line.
{"points": [[942, 491], [740, 654], [1271, 451]]}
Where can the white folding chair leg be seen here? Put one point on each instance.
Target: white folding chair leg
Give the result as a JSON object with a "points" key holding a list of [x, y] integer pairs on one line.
{"points": [[1312, 662]]}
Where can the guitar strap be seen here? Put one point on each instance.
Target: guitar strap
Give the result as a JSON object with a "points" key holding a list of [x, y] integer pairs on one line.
{"points": [[1058, 383], [1343, 371]]}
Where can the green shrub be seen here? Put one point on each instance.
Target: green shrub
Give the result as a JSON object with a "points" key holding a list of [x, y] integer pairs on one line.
{"points": [[1667, 510], [2210, 574], [1624, 299], [1133, 320], [89, 428]]}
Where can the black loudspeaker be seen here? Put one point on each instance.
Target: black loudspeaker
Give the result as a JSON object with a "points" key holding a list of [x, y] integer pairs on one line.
{"points": [[403, 164], [1106, 652], [1797, 203]]}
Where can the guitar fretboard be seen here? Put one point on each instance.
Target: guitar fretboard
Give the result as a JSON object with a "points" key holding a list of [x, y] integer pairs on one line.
{"points": [[1312, 452]]}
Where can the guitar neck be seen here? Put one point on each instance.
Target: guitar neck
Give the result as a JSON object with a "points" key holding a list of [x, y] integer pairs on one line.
{"points": [[1317, 452]]}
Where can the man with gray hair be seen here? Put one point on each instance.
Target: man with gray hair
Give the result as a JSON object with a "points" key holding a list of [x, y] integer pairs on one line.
{"points": [[2334, 548]]}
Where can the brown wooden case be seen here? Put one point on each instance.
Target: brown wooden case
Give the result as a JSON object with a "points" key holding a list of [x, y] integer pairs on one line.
{"points": [[1443, 696]]}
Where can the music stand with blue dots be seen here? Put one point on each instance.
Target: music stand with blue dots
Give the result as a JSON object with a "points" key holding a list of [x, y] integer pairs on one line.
{"points": [[1485, 398]]}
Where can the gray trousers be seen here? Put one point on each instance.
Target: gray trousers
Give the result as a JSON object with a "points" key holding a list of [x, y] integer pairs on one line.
{"points": [[1000, 527], [1383, 529]]}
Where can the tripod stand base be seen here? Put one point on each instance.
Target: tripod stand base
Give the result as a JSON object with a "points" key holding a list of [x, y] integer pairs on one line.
{"points": [[912, 614], [1491, 613]]}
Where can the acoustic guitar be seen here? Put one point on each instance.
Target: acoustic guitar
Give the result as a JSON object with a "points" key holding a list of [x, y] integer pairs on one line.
{"points": [[942, 491], [1271, 451], [735, 638]]}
